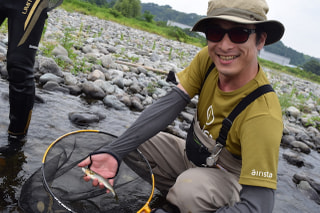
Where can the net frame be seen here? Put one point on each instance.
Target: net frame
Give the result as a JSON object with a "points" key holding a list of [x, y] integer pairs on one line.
{"points": [[144, 209]]}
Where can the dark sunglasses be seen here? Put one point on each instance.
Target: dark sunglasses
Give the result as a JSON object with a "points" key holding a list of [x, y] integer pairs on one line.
{"points": [[237, 35]]}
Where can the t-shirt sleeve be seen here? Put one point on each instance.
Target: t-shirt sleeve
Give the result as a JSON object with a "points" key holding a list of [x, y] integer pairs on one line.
{"points": [[260, 151], [192, 76]]}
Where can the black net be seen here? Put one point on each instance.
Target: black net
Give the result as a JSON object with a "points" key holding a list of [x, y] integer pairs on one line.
{"points": [[65, 179], [53, 4]]}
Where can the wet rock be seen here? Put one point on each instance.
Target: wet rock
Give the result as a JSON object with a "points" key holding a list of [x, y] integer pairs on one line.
{"points": [[85, 118], [308, 191], [54, 86], [287, 140], [293, 158], [300, 146], [113, 102]]}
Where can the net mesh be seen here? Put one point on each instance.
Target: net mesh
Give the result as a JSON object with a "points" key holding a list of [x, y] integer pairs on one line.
{"points": [[65, 179]]}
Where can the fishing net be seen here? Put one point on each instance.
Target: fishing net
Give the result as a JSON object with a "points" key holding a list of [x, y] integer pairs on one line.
{"points": [[59, 186]]}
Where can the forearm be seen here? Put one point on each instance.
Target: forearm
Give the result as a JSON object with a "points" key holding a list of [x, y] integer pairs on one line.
{"points": [[151, 121], [253, 199]]}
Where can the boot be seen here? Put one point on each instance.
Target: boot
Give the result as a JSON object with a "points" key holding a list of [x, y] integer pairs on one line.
{"points": [[20, 114]]}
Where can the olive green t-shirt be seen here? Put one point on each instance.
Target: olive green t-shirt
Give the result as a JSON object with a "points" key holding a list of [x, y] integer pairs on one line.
{"points": [[255, 134]]}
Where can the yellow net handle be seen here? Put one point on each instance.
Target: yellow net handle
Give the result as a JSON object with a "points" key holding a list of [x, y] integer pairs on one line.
{"points": [[146, 207]]}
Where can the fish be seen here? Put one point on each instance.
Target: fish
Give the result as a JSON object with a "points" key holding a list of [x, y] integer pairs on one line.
{"points": [[102, 180]]}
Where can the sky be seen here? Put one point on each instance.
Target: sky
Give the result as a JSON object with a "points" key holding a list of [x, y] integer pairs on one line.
{"points": [[300, 17]]}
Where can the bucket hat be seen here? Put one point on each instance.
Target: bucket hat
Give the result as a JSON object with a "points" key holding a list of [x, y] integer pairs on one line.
{"points": [[243, 12]]}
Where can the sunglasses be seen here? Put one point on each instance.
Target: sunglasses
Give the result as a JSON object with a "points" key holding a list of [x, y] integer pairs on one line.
{"points": [[237, 35]]}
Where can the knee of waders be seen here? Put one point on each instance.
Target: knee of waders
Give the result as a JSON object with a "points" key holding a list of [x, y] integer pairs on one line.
{"points": [[21, 81]]}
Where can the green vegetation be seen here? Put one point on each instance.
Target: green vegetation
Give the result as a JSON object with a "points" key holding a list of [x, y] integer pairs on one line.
{"points": [[312, 66], [142, 22], [297, 71]]}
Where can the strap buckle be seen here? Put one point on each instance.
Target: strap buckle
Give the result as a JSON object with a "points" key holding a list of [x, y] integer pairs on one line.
{"points": [[213, 158]]}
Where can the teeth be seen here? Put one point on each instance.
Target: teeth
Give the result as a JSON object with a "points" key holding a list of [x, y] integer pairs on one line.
{"points": [[227, 57]]}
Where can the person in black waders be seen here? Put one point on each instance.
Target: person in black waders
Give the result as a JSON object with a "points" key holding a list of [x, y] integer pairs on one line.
{"points": [[228, 162], [26, 19]]}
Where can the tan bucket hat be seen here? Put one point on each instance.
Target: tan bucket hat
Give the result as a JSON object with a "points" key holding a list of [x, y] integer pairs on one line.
{"points": [[244, 12]]}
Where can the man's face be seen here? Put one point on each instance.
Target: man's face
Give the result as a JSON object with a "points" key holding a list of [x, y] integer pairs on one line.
{"points": [[235, 59]]}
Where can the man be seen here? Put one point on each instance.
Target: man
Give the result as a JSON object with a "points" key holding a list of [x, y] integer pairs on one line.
{"points": [[241, 175], [26, 19]]}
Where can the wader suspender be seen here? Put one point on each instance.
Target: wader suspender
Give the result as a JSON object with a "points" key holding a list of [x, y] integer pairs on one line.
{"points": [[227, 122]]}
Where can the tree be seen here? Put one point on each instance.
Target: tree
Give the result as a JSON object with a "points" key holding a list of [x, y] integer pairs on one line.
{"points": [[148, 16], [128, 8], [312, 66]]}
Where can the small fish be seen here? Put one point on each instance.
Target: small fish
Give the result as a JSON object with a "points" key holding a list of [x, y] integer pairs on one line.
{"points": [[105, 182]]}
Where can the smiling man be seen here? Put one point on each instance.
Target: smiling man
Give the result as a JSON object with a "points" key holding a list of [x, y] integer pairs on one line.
{"points": [[229, 161]]}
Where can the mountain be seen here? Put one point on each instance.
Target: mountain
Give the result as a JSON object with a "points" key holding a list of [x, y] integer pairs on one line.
{"points": [[165, 13]]}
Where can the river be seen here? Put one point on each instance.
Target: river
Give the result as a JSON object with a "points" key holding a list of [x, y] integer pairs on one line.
{"points": [[50, 120]]}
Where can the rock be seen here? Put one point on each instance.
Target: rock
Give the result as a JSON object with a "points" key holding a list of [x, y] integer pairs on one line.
{"points": [[70, 79], [293, 158], [298, 145], [287, 140], [59, 51], [95, 75], [50, 77], [113, 102], [92, 90], [48, 65], [293, 111], [54, 86], [308, 191], [84, 118]]}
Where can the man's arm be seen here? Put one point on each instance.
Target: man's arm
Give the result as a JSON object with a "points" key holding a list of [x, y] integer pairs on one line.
{"points": [[151, 121], [253, 199]]}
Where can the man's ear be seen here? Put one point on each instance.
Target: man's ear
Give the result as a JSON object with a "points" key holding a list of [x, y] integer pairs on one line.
{"points": [[262, 40]]}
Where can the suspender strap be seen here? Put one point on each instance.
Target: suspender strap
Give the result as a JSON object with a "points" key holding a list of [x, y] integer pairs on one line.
{"points": [[208, 72], [227, 122], [212, 66]]}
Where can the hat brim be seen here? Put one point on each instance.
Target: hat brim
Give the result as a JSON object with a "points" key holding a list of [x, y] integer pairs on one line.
{"points": [[274, 29]]}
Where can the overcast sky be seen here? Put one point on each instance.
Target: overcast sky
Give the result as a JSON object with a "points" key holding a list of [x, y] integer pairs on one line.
{"points": [[300, 17]]}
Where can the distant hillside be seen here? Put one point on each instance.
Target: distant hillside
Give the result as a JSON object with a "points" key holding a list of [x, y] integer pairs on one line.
{"points": [[165, 13]]}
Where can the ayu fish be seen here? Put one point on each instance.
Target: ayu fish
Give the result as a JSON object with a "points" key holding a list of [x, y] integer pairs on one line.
{"points": [[102, 180]]}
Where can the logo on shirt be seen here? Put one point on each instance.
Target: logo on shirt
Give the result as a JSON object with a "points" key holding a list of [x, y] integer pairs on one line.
{"points": [[257, 173], [210, 119]]}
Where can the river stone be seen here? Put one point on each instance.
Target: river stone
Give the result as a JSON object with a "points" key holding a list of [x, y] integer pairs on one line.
{"points": [[92, 90], [301, 146], [113, 102], [84, 118], [310, 192], [293, 158], [50, 77]]}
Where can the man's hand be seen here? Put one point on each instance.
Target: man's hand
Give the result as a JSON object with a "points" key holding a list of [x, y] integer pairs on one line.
{"points": [[103, 164]]}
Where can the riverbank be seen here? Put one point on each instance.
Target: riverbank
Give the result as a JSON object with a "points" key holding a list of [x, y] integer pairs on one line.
{"points": [[124, 73]]}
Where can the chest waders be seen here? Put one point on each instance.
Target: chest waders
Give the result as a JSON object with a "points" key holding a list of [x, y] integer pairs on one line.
{"points": [[199, 147], [26, 21]]}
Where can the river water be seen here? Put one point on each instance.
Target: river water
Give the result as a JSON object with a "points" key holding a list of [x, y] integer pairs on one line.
{"points": [[50, 120]]}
